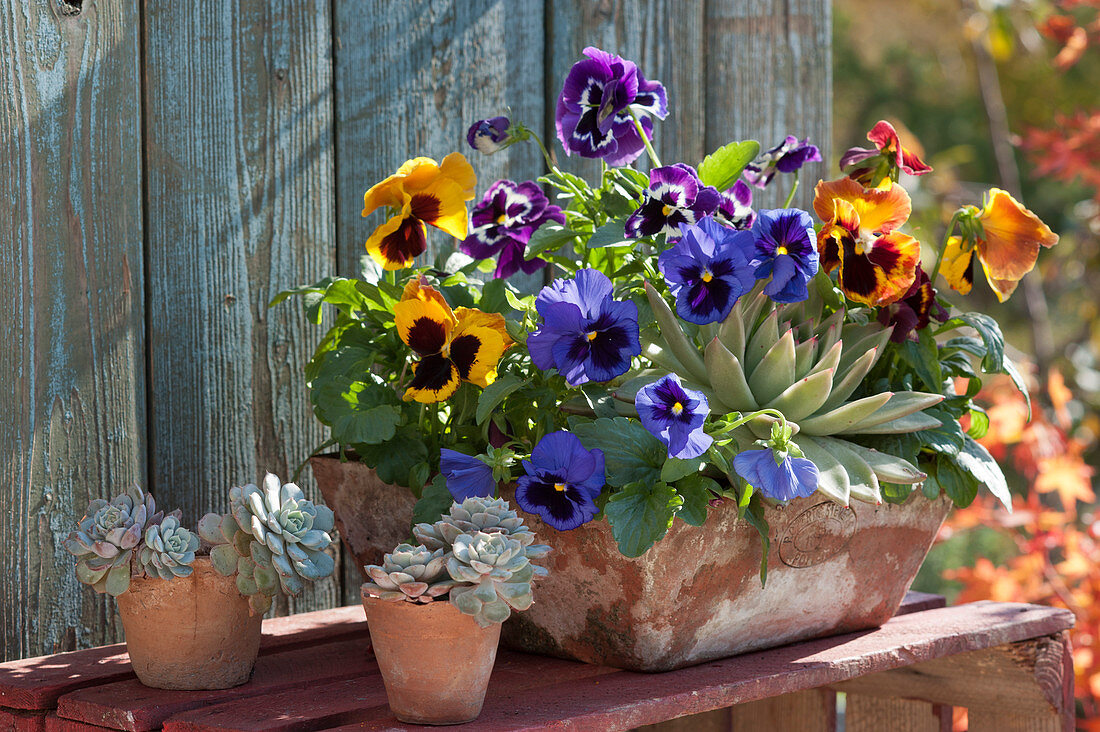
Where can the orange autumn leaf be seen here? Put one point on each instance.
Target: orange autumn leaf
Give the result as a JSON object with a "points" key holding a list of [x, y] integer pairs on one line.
{"points": [[1069, 476]]}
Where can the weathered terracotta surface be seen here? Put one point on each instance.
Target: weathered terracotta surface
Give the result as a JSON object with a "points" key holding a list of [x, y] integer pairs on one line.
{"points": [[435, 661], [372, 517], [696, 595], [190, 632]]}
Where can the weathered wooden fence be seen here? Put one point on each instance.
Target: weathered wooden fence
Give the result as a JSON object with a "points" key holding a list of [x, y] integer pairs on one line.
{"points": [[168, 165]]}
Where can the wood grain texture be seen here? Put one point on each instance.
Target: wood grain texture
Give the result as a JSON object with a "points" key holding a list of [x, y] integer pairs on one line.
{"points": [[72, 401], [238, 140], [807, 711], [871, 714]]}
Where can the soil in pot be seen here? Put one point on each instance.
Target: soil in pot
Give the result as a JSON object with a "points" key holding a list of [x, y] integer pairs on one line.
{"points": [[435, 661], [190, 632]]}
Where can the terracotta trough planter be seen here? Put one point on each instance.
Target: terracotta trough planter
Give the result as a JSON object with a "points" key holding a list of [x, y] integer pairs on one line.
{"points": [[696, 595], [190, 632]]}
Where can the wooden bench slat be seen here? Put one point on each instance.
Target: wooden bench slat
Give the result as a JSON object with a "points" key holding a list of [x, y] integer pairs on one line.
{"points": [[36, 683]]}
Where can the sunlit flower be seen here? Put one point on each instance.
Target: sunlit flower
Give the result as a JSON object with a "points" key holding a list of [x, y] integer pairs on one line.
{"points": [[675, 196], [464, 345], [777, 474], [488, 135], [421, 192], [735, 208], [563, 481], [786, 157], [585, 334], [914, 310], [593, 113], [707, 270], [675, 415], [503, 224], [871, 167], [877, 264], [1004, 236], [466, 476], [786, 252]]}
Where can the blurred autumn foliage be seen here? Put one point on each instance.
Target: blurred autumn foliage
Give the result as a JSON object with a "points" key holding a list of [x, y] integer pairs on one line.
{"points": [[1006, 92]]}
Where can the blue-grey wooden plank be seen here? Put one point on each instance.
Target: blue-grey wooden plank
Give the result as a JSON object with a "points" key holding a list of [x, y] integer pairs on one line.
{"points": [[72, 398]]}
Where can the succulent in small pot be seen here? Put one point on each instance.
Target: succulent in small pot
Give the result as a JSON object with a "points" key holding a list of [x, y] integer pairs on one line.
{"points": [[478, 558]]}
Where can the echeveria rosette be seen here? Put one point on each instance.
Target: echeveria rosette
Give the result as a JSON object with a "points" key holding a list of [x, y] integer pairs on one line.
{"points": [[586, 334], [409, 574], [708, 269], [593, 116], [675, 415], [492, 576], [786, 157], [503, 223], [563, 481], [675, 198], [169, 550], [487, 136], [735, 209], [466, 476], [786, 251]]}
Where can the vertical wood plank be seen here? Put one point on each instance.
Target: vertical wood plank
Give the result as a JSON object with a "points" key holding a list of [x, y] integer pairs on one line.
{"points": [[240, 200], [410, 79], [805, 711], [717, 720], [769, 74], [871, 714], [665, 38], [988, 721], [72, 400]]}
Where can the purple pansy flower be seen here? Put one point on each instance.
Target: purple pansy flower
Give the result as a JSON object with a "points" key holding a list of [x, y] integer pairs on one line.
{"points": [[675, 416], [466, 476], [563, 481], [786, 250], [586, 334], [675, 196], [786, 157], [914, 310], [593, 114], [488, 135], [735, 208], [503, 224], [707, 270], [777, 475]]}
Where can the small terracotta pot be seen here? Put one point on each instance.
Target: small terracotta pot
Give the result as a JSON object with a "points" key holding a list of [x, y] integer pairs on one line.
{"points": [[190, 632], [434, 660]]}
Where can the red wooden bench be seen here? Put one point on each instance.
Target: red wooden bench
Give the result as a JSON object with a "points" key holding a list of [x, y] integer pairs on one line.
{"points": [[1009, 664]]}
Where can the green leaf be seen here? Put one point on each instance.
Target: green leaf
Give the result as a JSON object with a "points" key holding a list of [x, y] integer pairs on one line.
{"points": [[494, 394], [722, 167], [548, 236], [435, 501], [393, 459], [923, 357], [631, 453], [947, 438], [640, 514], [696, 490], [959, 486], [978, 463], [979, 423], [599, 400], [493, 299], [356, 411], [895, 492], [755, 516], [675, 468], [611, 234]]}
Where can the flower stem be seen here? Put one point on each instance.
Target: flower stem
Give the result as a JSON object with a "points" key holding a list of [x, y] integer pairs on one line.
{"points": [[794, 189], [943, 247], [645, 139], [758, 413], [545, 153]]}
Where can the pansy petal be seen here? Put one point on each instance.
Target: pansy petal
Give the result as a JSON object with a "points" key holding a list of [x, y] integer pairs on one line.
{"points": [[879, 210], [957, 266], [435, 379], [423, 324], [458, 169], [396, 243], [1012, 237]]}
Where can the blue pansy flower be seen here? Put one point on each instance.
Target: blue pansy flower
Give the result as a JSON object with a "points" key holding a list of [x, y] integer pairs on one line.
{"points": [[707, 270], [563, 481], [675, 416], [777, 473], [786, 250], [586, 334], [466, 476]]}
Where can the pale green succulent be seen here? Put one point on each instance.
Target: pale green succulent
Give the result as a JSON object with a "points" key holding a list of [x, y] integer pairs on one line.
{"points": [[107, 536], [807, 366], [410, 573], [477, 513], [493, 576], [169, 550]]}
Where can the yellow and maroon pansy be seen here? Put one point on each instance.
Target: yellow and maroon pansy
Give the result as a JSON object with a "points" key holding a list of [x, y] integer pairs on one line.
{"points": [[453, 346], [421, 192], [876, 263], [1004, 236]]}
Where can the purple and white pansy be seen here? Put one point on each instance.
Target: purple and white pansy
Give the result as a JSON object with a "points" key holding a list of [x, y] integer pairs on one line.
{"points": [[593, 116], [735, 210], [503, 223], [675, 197], [489, 135], [786, 157]]}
